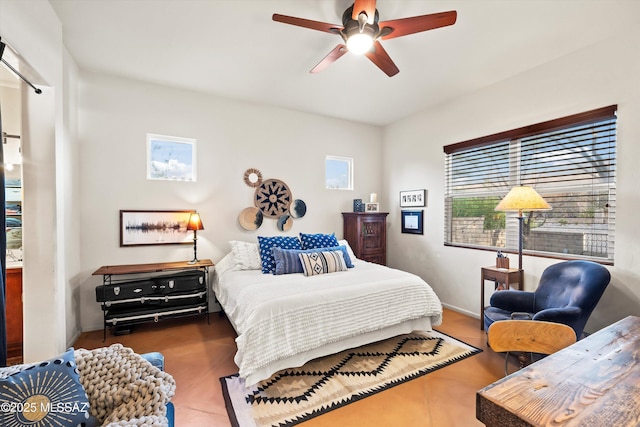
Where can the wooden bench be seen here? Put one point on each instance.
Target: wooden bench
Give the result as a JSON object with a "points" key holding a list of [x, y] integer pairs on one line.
{"points": [[594, 382]]}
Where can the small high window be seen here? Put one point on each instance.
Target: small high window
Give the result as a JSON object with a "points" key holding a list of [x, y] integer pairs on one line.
{"points": [[338, 173]]}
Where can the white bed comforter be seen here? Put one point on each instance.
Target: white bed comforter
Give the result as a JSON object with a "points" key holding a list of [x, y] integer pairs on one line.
{"points": [[279, 316]]}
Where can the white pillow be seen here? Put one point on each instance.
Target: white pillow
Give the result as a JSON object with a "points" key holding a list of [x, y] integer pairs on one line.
{"points": [[245, 255], [349, 250]]}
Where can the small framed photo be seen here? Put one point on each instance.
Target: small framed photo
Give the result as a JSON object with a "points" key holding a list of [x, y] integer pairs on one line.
{"points": [[412, 222], [413, 198], [171, 158], [154, 228], [371, 207]]}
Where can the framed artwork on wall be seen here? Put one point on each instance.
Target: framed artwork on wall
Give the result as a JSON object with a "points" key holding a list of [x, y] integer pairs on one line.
{"points": [[154, 228], [413, 198], [171, 158], [412, 222]]}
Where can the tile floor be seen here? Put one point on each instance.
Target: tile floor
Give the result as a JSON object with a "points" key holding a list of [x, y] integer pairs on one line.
{"points": [[198, 354]]}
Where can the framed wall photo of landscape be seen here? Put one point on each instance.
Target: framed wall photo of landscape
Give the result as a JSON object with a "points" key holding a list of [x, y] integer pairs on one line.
{"points": [[154, 228], [412, 222], [171, 158], [413, 198]]}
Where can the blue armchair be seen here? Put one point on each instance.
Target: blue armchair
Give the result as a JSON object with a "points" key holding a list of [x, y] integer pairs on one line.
{"points": [[567, 293]]}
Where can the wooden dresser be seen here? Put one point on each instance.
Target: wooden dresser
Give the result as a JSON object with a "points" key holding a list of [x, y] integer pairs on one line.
{"points": [[366, 233], [14, 313]]}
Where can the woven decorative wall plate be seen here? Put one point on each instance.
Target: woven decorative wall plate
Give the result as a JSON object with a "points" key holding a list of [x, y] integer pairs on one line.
{"points": [[273, 198], [252, 177], [250, 218]]}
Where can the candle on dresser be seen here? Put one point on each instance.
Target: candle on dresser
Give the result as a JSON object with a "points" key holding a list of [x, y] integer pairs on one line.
{"points": [[373, 198]]}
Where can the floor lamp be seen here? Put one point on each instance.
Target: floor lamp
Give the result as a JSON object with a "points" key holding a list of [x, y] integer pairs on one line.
{"points": [[522, 198], [195, 224]]}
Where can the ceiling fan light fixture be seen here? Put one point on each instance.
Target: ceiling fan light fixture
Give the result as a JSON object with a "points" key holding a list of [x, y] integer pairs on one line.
{"points": [[361, 32], [359, 43]]}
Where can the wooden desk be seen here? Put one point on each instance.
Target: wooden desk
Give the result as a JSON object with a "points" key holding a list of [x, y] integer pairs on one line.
{"points": [[594, 382], [502, 276]]}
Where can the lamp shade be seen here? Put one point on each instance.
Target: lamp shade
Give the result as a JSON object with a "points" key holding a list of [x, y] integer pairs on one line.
{"points": [[523, 198], [194, 222]]}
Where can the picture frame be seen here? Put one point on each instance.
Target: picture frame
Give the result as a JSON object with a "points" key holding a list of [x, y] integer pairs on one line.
{"points": [[413, 198], [171, 158], [371, 207], [146, 227], [412, 221]]}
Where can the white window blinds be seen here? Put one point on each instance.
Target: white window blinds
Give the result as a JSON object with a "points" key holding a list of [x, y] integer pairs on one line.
{"points": [[570, 161]]}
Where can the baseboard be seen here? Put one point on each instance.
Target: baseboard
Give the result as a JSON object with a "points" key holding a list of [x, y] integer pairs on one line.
{"points": [[460, 310], [74, 338]]}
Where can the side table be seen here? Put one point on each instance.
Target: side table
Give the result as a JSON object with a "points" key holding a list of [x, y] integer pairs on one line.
{"points": [[138, 293], [501, 277]]}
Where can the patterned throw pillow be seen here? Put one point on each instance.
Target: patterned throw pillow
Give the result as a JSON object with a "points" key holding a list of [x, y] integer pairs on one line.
{"points": [[48, 393], [315, 263], [314, 241], [266, 244], [288, 261], [246, 256]]}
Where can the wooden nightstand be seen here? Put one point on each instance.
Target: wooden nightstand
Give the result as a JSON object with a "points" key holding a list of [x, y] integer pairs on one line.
{"points": [[503, 278]]}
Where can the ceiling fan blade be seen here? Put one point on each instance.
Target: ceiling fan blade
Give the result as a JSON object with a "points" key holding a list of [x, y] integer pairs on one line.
{"points": [[366, 6], [336, 53], [381, 58], [404, 26], [307, 23]]}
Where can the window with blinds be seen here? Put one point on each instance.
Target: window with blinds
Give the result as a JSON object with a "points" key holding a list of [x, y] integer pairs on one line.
{"points": [[570, 162]]}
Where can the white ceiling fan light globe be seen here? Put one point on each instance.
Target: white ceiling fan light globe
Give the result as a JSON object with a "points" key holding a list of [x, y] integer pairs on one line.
{"points": [[359, 43]]}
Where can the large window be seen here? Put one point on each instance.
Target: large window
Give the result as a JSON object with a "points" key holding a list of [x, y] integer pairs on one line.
{"points": [[570, 161]]}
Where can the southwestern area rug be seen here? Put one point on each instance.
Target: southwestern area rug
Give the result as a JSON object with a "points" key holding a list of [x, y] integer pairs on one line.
{"points": [[294, 395]]}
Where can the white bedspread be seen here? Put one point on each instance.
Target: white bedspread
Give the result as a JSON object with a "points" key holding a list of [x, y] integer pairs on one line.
{"points": [[280, 316]]}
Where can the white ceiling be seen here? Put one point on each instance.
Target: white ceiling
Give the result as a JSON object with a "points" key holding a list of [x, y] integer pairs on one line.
{"points": [[233, 48]]}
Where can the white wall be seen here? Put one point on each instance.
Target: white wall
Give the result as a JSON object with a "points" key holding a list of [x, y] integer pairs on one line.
{"points": [[600, 75], [33, 30], [116, 114], [61, 251], [10, 97]]}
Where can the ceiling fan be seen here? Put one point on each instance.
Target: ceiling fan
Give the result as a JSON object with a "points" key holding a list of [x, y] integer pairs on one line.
{"points": [[361, 32]]}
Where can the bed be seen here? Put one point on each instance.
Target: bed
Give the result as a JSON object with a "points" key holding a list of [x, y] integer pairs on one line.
{"points": [[283, 321]]}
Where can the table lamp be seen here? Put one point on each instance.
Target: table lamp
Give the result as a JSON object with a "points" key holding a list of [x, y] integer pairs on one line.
{"points": [[522, 198], [194, 224]]}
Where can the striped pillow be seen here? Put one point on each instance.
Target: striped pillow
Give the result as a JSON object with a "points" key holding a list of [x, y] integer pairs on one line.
{"points": [[315, 263]]}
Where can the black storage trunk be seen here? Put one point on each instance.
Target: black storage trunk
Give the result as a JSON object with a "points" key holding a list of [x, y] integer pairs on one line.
{"points": [[140, 293], [127, 316], [152, 288], [187, 281], [157, 301]]}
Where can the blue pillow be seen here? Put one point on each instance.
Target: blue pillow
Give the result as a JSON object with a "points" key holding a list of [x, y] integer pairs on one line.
{"points": [[315, 241], [288, 261], [266, 244], [47, 393]]}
